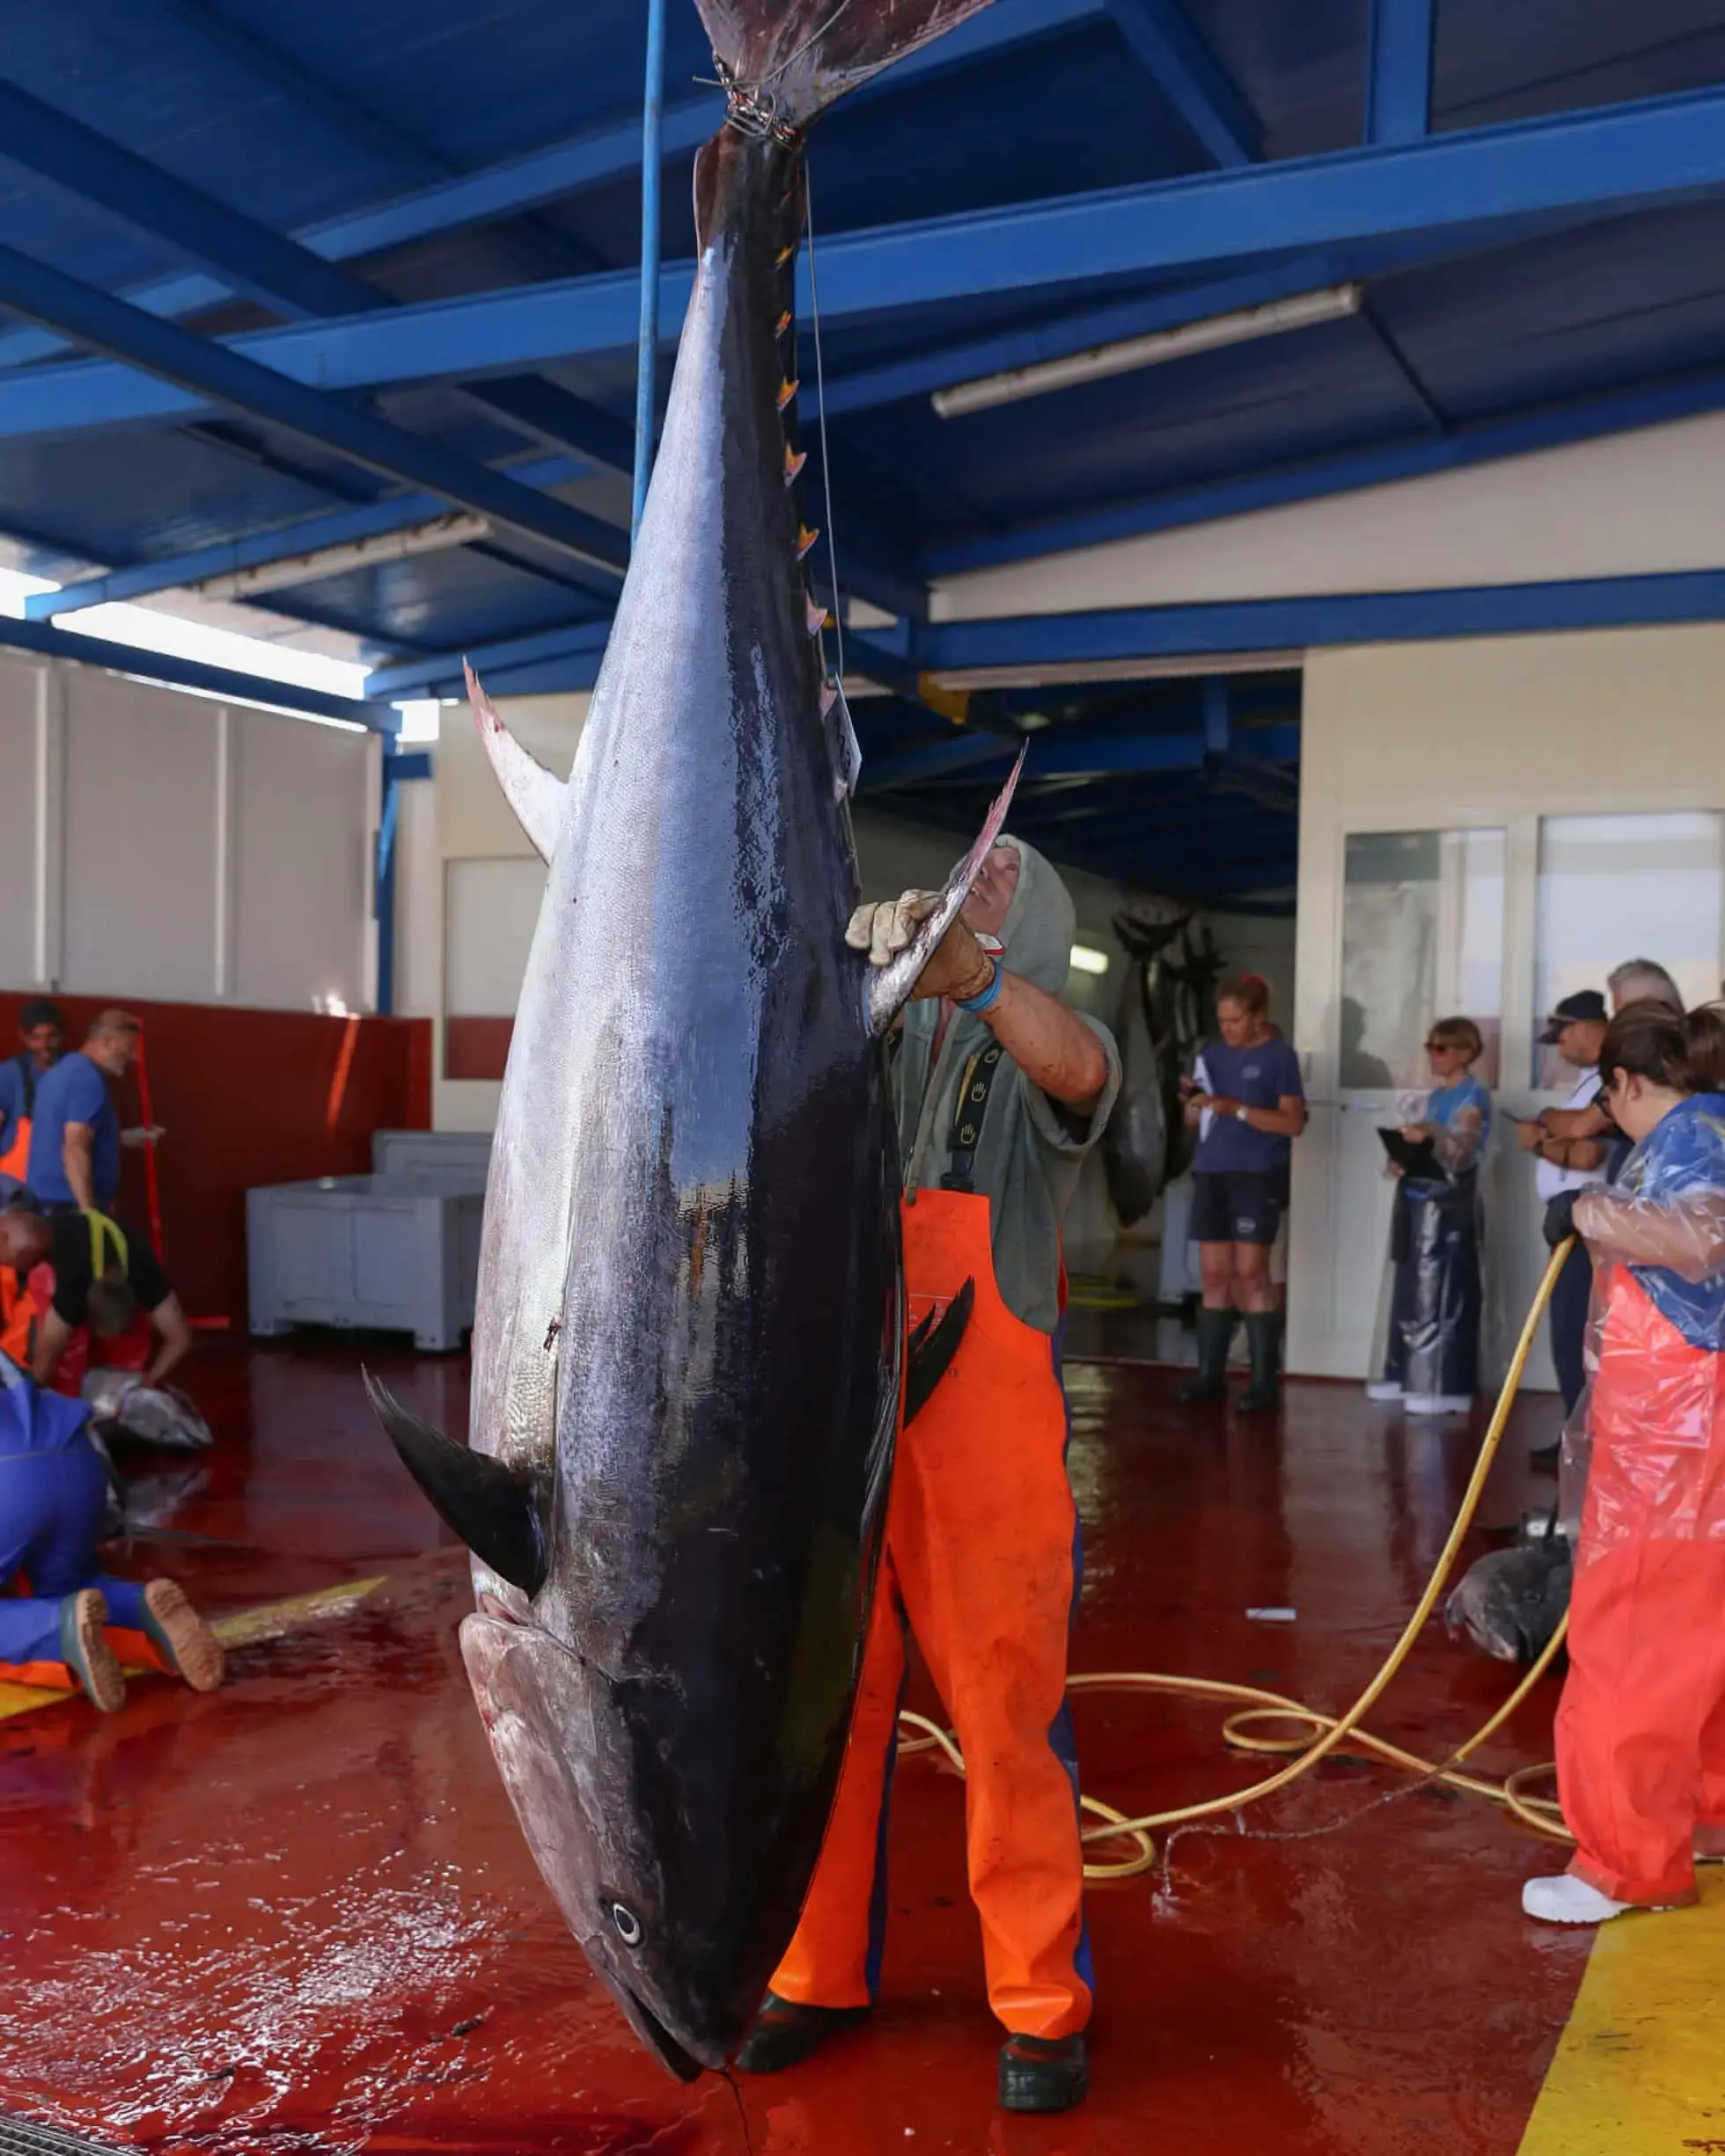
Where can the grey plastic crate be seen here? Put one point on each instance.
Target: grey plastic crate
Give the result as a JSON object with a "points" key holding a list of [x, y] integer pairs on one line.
{"points": [[399, 1252], [445, 1155]]}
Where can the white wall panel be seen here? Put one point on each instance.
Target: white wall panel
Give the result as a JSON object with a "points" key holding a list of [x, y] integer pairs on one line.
{"points": [[490, 907], [300, 887], [19, 691], [158, 846], [1633, 504], [141, 839]]}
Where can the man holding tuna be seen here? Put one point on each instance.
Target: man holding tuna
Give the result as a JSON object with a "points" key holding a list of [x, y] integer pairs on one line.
{"points": [[1000, 1090]]}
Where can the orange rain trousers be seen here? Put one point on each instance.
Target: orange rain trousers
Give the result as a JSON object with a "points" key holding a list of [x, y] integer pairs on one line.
{"points": [[1641, 1727], [980, 1563]]}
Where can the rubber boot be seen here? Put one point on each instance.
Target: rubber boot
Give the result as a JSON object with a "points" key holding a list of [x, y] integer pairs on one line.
{"points": [[785, 2033], [1216, 1337], [85, 1650], [1264, 1341], [180, 1636], [1044, 2073]]}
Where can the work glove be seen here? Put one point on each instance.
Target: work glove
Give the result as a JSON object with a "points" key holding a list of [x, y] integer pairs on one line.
{"points": [[1559, 1222], [959, 966]]}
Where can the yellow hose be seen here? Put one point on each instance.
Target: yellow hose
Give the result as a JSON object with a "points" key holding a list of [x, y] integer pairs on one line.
{"points": [[1541, 1814]]}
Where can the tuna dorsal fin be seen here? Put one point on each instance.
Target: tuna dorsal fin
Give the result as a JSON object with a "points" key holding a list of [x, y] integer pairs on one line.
{"points": [[530, 789], [496, 1511], [794, 57], [888, 987], [932, 1347]]}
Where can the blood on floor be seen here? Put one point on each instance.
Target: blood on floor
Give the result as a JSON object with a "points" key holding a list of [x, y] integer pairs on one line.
{"points": [[298, 1913]]}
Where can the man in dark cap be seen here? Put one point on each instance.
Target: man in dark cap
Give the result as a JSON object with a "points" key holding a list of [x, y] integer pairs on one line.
{"points": [[1570, 1161], [41, 1032]]}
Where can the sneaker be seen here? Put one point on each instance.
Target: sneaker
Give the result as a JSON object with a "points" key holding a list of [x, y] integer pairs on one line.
{"points": [[1438, 1403], [1044, 2073], [1569, 1900], [1383, 1389], [180, 1636], [1710, 1844], [785, 2033], [85, 1650]]}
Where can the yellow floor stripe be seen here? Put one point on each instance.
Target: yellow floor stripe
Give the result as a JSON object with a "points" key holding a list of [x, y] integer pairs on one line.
{"points": [[240, 1628], [1640, 2069]]}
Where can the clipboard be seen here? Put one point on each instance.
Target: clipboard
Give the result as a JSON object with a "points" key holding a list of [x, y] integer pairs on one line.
{"points": [[1412, 1159]]}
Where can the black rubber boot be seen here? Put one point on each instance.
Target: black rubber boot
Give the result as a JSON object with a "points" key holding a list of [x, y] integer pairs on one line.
{"points": [[1041, 2073], [785, 2033], [1216, 1337], [1264, 1339], [1546, 1456]]}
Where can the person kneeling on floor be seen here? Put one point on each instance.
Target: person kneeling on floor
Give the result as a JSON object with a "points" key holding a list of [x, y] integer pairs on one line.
{"points": [[65, 1625], [1640, 1731], [110, 1305]]}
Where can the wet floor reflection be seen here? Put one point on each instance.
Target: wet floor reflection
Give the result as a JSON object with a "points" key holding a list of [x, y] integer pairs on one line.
{"points": [[299, 1914]]}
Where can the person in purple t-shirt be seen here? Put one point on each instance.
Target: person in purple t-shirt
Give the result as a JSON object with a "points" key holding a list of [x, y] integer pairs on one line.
{"points": [[1249, 1105]]}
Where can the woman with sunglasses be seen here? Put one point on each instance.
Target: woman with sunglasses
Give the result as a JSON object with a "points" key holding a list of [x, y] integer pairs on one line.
{"points": [[1428, 1351], [1641, 1733]]}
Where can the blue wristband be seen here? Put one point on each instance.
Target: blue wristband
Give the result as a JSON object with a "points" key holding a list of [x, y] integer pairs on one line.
{"points": [[989, 996]]}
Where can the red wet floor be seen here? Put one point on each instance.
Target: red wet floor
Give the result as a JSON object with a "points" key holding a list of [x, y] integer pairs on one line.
{"points": [[299, 1914]]}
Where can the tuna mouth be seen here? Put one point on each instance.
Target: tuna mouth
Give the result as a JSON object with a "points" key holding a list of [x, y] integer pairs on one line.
{"points": [[683, 2063]]}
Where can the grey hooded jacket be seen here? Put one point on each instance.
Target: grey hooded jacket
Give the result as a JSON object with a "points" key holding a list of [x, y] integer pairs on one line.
{"points": [[1031, 1149]]}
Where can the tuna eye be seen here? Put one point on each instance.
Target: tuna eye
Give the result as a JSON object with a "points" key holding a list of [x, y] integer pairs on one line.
{"points": [[628, 1924]]}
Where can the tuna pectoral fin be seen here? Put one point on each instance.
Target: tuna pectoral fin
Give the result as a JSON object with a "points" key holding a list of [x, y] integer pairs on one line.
{"points": [[889, 986], [495, 1511], [530, 789], [933, 1346]]}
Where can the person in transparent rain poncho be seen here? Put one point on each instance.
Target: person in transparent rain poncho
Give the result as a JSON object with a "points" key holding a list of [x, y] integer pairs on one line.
{"points": [[1426, 1353], [1641, 1733]]}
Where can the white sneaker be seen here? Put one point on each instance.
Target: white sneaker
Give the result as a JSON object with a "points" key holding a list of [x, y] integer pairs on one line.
{"points": [[1383, 1389], [1569, 1900], [1438, 1403]]}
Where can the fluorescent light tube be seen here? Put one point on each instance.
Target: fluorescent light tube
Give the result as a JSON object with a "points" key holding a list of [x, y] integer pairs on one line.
{"points": [[1244, 324]]}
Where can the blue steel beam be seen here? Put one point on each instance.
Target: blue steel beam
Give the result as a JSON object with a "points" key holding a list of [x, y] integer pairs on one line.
{"points": [[277, 273], [1065, 752], [440, 672], [1191, 77], [577, 164], [49, 642], [339, 527], [212, 370], [1398, 70], [1614, 156], [1223, 627], [1545, 427]]}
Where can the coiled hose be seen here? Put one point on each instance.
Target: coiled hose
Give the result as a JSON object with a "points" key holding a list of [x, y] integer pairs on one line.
{"points": [[1255, 1706]]}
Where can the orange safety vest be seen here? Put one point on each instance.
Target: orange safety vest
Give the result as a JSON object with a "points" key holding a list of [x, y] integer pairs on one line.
{"points": [[15, 1160]]}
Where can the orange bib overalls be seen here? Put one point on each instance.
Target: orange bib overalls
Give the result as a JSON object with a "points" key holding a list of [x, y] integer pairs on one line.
{"points": [[981, 1563]]}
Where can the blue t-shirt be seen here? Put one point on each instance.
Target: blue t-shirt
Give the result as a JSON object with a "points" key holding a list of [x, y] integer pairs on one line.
{"points": [[1262, 1076], [74, 1091], [11, 1099], [1682, 1153], [1447, 1102]]}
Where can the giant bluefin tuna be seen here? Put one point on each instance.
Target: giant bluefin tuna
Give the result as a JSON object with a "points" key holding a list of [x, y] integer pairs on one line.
{"points": [[688, 1341]]}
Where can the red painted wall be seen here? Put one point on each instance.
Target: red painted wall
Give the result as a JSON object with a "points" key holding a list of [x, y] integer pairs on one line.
{"points": [[247, 1097]]}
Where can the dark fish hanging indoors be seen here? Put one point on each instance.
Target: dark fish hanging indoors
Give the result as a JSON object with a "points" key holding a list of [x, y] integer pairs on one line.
{"points": [[687, 1355]]}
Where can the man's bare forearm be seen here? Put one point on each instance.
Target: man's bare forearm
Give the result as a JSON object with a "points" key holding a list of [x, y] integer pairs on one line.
{"points": [[75, 1157], [1052, 1046]]}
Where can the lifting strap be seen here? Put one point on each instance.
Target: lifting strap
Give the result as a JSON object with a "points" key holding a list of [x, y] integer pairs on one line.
{"points": [[973, 1103], [103, 1232]]}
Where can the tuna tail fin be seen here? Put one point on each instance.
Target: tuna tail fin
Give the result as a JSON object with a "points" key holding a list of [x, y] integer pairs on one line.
{"points": [[932, 1347], [494, 1510], [888, 987], [530, 789], [1144, 939], [784, 61]]}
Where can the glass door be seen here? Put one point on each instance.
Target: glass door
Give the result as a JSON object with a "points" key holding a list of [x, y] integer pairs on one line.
{"points": [[1421, 939]]}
